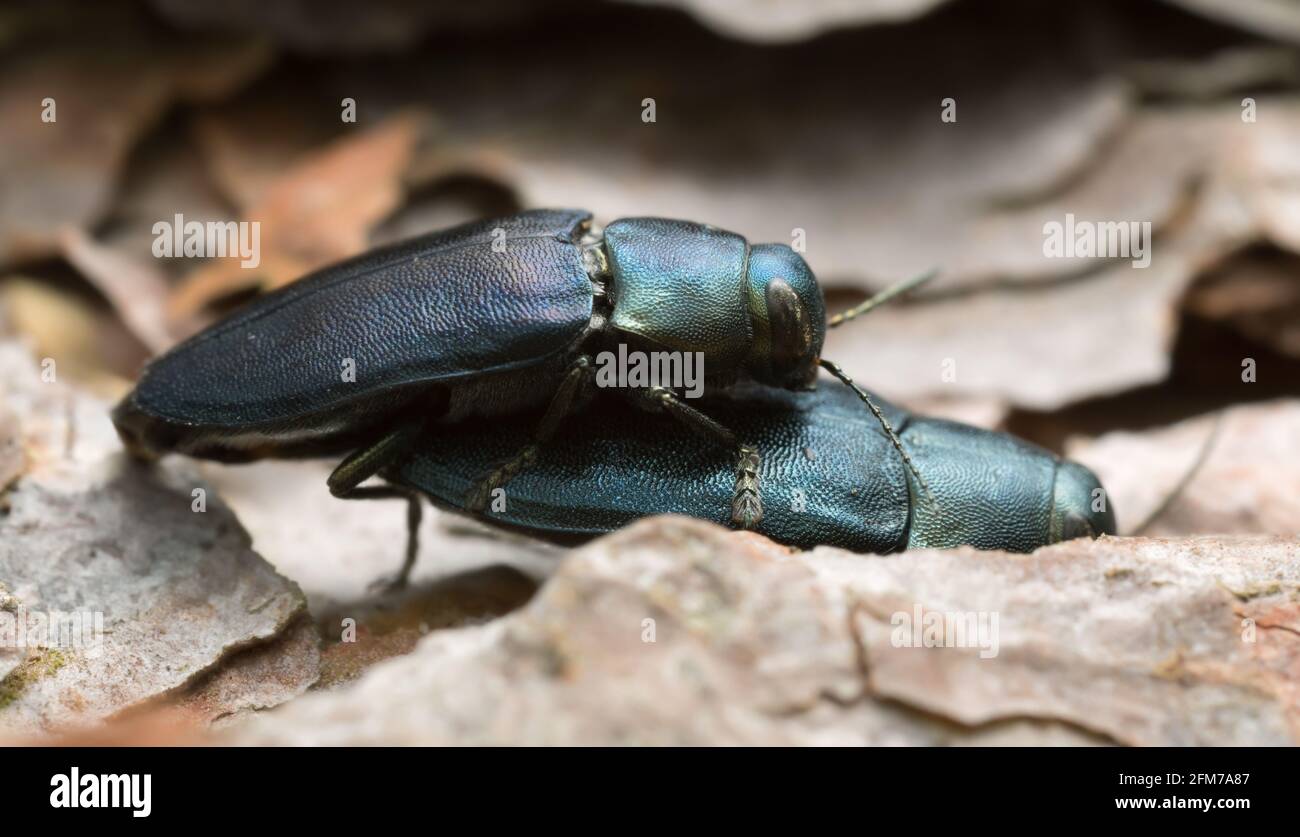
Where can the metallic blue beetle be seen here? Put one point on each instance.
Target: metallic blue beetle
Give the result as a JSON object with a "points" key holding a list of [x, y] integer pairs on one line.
{"points": [[487, 319], [828, 476]]}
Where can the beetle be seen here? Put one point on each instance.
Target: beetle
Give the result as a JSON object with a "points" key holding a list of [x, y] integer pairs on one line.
{"points": [[827, 477], [488, 319]]}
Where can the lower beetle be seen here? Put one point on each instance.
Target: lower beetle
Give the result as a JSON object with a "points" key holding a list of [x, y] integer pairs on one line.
{"points": [[488, 319], [826, 474]]}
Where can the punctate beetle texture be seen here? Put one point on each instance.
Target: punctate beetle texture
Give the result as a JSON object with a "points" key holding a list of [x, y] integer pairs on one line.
{"points": [[492, 320], [828, 476]]}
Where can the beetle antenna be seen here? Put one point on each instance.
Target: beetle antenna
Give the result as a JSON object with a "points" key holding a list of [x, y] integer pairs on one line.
{"points": [[835, 370], [881, 298], [1186, 479]]}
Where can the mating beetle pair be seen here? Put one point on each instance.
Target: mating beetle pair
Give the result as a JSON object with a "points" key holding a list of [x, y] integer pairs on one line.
{"points": [[484, 321]]}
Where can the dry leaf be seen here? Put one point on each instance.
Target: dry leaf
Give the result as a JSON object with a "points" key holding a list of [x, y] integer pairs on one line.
{"points": [[1259, 294], [135, 289], [249, 143], [1249, 482], [60, 173], [82, 340], [319, 211]]}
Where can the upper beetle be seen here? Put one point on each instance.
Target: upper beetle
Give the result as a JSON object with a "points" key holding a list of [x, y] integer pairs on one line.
{"points": [[483, 319]]}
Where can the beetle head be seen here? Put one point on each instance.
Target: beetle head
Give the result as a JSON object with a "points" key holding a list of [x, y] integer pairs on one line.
{"points": [[789, 317]]}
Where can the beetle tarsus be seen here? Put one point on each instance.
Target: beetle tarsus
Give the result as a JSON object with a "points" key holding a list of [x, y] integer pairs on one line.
{"points": [[481, 494], [746, 503]]}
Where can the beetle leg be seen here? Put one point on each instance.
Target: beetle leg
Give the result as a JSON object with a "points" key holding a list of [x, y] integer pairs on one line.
{"points": [[364, 463], [561, 403], [413, 517], [746, 503], [345, 483]]}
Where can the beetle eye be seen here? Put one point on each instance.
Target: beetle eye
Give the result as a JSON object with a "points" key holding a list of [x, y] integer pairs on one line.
{"points": [[792, 335]]}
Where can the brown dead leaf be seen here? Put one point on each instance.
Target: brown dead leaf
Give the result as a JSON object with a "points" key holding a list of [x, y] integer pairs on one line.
{"points": [[1259, 294], [763, 142], [135, 289], [82, 340], [880, 185], [1102, 331], [250, 143], [319, 211], [59, 174], [1249, 482], [165, 177]]}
